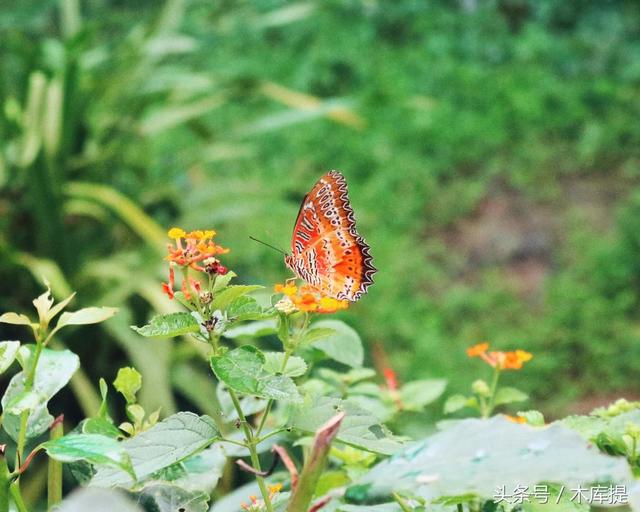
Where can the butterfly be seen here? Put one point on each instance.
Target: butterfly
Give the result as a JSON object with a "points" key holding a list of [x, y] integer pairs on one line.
{"points": [[326, 249]]}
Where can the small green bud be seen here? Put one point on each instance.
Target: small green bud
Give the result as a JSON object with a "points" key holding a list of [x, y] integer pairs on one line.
{"points": [[481, 388]]}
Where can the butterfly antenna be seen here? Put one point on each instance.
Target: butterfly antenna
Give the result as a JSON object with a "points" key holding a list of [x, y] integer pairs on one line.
{"points": [[268, 245]]}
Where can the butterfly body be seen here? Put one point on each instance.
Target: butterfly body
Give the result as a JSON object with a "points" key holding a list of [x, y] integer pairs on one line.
{"points": [[327, 250]]}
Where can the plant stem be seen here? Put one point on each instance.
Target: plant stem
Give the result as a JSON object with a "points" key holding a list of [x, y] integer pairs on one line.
{"points": [[5, 482], [494, 386], [28, 386], [17, 496], [401, 503], [459, 507], [54, 481], [251, 445]]}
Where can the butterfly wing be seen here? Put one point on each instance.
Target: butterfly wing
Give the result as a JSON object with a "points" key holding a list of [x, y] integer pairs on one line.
{"points": [[327, 250]]}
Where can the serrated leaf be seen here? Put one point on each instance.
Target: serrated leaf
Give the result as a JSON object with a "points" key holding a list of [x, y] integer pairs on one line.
{"points": [[15, 319], [54, 370], [164, 497], [359, 428], [93, 315], [92, 448], [168, 326], [295, 367], [316, 334], [344, 345], [224, 298], [249, 404], [97, 500], [456, 402], [8, 353], [172, 440], [245, 308], [242, 370], [417, 394], [252, 329], [223, 281], [478, 456], [509, 395], [128, 382]]}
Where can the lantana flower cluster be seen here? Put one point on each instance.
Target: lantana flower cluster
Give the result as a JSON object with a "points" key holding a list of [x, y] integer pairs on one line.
{"points": [[195, 250], [307, 299], [498, 359]]}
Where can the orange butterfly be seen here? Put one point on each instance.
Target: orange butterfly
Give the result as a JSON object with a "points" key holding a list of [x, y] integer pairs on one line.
{"points": [[327, 250]]}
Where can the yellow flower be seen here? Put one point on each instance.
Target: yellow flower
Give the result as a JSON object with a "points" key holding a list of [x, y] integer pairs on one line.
{"points": [[176, 233]]}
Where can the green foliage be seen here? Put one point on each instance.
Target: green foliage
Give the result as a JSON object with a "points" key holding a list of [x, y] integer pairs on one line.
{"points": [[53, 371], [496, 447], [128, 383], [168, 442], [169, 326], [243, 370], [92, 448]]}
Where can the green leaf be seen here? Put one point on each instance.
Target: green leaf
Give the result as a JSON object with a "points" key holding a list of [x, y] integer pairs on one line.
{"points": [[15, 319], [359, 428], [296, 366], [86, 316], [242, 369], [249, 404], [252, 329], [344, 345], [168, 326], [223, 299], [509, 395], [54, 370], [92, 448], [8, 353], [100, 426], [164, 497], [128, 382], [534, 418], [316, 334], [167, 442], [97, 500], [456, 402], [496, 452], [245, 308], [418, 393], [203, 470], [223, 281]]}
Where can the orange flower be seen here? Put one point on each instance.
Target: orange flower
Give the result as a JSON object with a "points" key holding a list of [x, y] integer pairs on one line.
{"points": [[478, 349], [498, 359], [307, 299], [189, 249], [516, 419]]}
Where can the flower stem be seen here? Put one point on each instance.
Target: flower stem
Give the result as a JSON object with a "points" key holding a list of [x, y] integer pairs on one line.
{"points": [[54, 478], [5, 482], [494, 386], [251, 445], [17, 497]]}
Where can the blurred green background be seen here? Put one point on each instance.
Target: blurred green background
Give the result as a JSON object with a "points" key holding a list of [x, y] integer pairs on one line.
{"points": [[492, 150]]}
